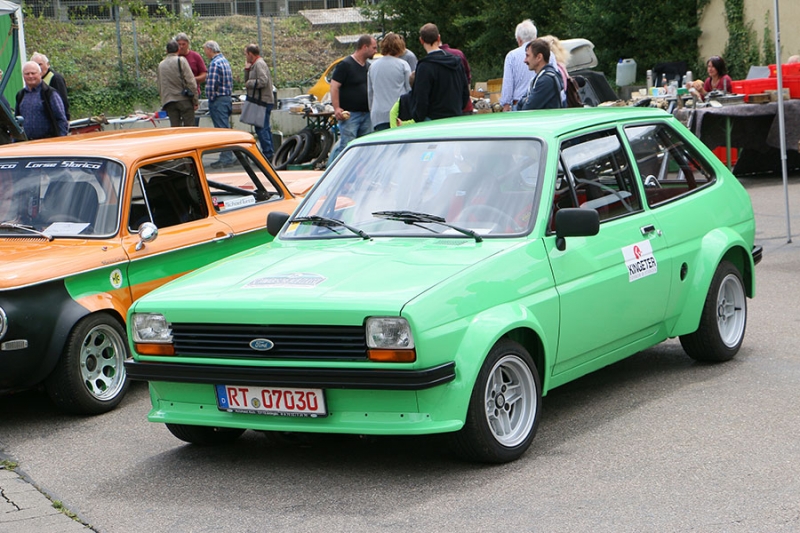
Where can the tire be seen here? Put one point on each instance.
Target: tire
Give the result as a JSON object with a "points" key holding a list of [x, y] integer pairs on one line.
{"points": [[90, 377], [287, 152], [204, 435], [499, 427], [303, 155], [723, 320], [325, 139]]}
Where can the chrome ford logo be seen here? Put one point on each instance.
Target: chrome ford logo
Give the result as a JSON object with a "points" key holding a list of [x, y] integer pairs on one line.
{"points": [[262, 345]]}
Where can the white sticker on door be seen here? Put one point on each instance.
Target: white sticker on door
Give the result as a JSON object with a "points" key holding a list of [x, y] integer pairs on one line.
{"points": [[640, 260]]}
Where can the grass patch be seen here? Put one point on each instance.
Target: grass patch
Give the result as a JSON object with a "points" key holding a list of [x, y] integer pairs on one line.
{"points": [[100, 80]]}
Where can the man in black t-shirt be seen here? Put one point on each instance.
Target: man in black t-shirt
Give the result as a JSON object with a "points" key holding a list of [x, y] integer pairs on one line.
{"points": [[349, 93]]}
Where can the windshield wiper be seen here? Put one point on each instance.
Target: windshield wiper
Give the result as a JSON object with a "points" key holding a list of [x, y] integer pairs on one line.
{"points": [[330, 222], [415, 218], [31, 229]]}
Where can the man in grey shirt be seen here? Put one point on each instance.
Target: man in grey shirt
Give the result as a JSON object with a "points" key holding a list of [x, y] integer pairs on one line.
{"points": [[387, 79]]}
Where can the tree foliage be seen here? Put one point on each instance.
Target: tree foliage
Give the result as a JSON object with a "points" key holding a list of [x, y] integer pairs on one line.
{"points": [[650, 33]]}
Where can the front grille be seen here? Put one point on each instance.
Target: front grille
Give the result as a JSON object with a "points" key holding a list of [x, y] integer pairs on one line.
{"points": [[290, 342]]}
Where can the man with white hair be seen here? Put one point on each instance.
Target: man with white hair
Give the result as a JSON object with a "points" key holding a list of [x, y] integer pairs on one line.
{"points": [[40, 106], [219, 85], [53, 79], [516, 76]]}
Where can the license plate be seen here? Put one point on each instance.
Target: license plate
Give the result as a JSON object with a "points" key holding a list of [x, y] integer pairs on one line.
{"points": [[278, 401]]}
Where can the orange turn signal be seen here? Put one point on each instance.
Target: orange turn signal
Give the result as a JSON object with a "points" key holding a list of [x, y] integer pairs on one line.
{"points": [[154, 349], [392, 356]]}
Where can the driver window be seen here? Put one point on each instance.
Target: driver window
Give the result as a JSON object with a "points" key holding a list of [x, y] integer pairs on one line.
{"points": [[668, 166], [172, 194], [594, 173], [236, 180]]}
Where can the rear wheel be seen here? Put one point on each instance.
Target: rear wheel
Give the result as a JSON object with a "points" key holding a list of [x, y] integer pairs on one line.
{"points": [[204, 435], [504, 407], [90, 375], [723, 320]]}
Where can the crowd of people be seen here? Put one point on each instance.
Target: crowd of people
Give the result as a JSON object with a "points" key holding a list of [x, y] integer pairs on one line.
{"points": [[366, 95], [398, 89]]}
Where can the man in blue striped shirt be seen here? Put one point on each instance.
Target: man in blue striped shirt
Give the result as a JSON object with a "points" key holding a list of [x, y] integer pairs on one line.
{"points": [[219, 86], [516, 76]]}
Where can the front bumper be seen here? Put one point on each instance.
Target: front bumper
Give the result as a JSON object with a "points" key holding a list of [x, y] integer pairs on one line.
{"points": [[325, 378]]}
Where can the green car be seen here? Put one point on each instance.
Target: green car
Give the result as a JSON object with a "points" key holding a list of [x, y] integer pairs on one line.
{"points": [[443, 277]]}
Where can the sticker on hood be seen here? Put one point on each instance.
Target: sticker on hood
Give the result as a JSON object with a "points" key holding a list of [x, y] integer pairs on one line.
{"points": [[295, 280], [640, 260]]}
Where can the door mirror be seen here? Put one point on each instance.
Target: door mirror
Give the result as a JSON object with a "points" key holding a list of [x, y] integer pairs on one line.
{"points": [[575, 222], [147, 233], [275, 221]]}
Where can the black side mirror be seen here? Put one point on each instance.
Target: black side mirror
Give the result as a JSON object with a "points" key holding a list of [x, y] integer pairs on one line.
{"points": [[575, 222], [275, 221]]}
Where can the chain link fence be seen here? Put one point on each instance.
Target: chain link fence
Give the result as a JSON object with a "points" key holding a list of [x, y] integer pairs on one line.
{"points": [[95, 9]]}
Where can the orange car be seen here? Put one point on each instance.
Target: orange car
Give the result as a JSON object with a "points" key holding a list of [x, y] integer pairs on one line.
{"points": [[90, 223]]}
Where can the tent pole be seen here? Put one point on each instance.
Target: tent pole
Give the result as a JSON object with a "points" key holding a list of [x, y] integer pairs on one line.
{"points": [[782, 121]]}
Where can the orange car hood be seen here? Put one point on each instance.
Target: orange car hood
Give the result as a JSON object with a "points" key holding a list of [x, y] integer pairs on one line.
{"points": [[32, 260]]}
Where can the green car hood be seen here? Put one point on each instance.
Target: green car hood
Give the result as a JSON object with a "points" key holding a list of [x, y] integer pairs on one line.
{"points": [[292, 281]]}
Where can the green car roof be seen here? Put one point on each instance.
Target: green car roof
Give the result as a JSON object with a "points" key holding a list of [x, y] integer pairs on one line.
{"points": [[541, 123]]}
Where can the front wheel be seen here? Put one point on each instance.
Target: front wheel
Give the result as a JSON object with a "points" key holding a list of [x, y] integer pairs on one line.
{"points": [[204, 435], [722, 322], [89, 378], [504, 407]]}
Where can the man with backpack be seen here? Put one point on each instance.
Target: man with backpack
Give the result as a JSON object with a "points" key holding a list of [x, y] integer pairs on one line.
{"points": [[40, 106], [545, 89]]}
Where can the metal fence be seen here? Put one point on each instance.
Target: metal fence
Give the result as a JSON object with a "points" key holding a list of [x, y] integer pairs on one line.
{"points": [[95, 9]]}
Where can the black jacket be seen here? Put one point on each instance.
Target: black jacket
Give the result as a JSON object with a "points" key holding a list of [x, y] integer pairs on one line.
{"points": [[57, 82], [440, 87]]}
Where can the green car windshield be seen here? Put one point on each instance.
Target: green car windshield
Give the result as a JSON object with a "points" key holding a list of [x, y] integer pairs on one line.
{"points": [[479, 188], [59, 197]]}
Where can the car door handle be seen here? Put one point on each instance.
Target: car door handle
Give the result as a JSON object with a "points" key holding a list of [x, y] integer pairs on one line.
{"points": [[650, 228], [223, 237]]}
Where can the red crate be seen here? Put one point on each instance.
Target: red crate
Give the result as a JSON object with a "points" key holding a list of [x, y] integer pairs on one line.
{"points": [[793, 83], [757, 86], [787, 69], [722, 155]]}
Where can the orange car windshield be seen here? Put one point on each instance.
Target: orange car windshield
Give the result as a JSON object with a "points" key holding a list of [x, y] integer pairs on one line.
{"points": [[60, 197]]}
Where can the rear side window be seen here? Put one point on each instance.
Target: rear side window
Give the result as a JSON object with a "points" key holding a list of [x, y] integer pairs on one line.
{"points": [[668, 166]]}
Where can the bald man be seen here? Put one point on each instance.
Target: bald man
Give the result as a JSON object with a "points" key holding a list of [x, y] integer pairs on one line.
{"points": [[40, 106]]}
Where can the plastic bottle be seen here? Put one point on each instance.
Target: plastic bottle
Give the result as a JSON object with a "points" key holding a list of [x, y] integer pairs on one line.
{"points": [[649, 82], [688, 78]]}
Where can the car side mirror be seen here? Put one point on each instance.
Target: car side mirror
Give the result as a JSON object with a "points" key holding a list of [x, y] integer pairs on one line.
{"points": [[275, 221], [147, 233], [575, 222]]}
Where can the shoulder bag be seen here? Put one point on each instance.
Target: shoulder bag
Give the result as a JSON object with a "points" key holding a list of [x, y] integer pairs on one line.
{"points": [[254, 111]]}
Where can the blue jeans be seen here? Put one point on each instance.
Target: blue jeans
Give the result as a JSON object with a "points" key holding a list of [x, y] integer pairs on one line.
{"points": [[264, 135], [357, 125], [220, 109]]}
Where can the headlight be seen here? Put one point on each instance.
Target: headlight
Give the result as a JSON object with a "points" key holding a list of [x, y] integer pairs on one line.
{"points": [[385, 333], [150, 328], [3, 323]]}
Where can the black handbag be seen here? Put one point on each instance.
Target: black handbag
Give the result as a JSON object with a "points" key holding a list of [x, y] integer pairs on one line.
{"points": [[186, 92]]}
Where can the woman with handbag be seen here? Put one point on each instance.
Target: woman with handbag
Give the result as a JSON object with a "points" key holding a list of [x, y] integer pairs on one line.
{"points": [[258, 104], [177, 88]]}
